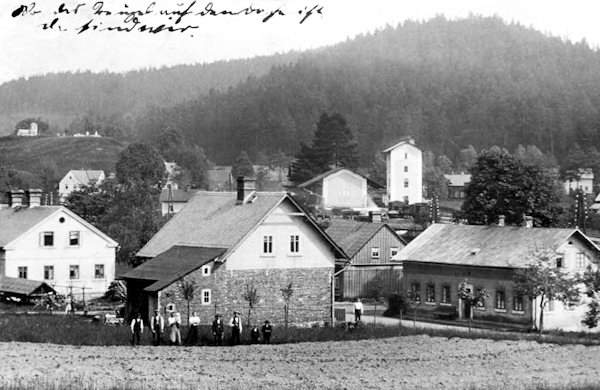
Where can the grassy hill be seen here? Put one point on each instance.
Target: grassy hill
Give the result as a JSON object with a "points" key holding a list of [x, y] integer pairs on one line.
{"points": [[60, 153]]}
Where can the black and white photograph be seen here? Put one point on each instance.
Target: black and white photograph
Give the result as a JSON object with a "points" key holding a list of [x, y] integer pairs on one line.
{"points": [[299, 194]]}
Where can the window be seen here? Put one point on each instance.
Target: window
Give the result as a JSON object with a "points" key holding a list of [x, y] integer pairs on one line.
{"points": [[22, 272], [406, 156], [375, 252], [405, 183], [206, 297], [170, 307], [480, 304], [393, 251], [48, 239], [294, 244], [500, 300], [430, 293], [99, 271], [406, 168], [74, 272], [559, 262], [517, 302], [415, 288], [446, 294], [74, 238], [581, 260], [551, 305], [267, 244], [48, 272], [206, 270]]}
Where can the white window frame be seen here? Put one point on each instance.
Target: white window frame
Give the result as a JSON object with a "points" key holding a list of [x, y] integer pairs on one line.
{"points": [[581, 260], [48, 271], [267, 245], [405, 183], [206, 270], [294, 245], [406, 168], [74, 267], [393, 251], [96, 267], [375, 252], [78, 233], [430, 288], [518, 298], [43, 236], [500, 304], [443, 297], [22, 272], [206, 296]]}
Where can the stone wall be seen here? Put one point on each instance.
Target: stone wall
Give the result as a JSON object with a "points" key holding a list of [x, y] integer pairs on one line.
{"points": [[310, 302]]}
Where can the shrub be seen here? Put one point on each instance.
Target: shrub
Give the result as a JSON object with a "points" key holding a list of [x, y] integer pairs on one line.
{"points": [[396, 304]]}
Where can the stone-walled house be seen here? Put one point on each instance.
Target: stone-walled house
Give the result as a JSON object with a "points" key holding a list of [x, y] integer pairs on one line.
{"points": [[228, 242], [370, 246], [52, 244], [444, 256]]}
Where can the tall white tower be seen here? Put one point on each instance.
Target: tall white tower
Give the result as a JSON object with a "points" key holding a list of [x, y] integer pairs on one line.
{"points": [[404, 172]]}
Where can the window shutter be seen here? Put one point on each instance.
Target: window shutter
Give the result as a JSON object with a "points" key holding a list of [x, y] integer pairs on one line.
{"points": [[41, 239]]}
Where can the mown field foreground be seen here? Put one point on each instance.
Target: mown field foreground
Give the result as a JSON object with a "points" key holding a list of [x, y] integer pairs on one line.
{"points": [[400, 362]]}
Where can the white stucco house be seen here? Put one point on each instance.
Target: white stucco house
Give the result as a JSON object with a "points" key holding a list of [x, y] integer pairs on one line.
{"points": [[340, 187], [75, 179], [404, 163], [584, 182], [54, 245]]}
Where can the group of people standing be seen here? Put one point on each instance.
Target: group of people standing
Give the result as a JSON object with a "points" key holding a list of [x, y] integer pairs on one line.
{"points": [[157, 327]]}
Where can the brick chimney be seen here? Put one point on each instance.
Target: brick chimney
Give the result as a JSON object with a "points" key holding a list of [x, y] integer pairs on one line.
{"points": [[35, 198], [245, 187], [16, 198], [501, 220]]}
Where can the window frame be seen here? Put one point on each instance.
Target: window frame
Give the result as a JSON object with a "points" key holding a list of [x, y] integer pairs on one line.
{"points": [[74, 267], [22, 272], [96, 268], [294, 248], [48, 271], [78, 238], [267, 245], [430, 293], [580, 260], [392, 249], [415, 287], [443, 300], [206, 270], [500, 300], [206, 296], [405, 183], [518, 304], [47, 235], [375, 252]]}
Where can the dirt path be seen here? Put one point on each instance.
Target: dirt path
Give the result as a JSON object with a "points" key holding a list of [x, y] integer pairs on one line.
{"points": [[406, 362]]}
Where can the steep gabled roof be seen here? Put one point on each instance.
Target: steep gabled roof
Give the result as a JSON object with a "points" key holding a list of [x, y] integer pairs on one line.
{"points": [[177, 195], [353, 235], [16, 221], [408, 140], [172, 265], [487, 246], [85, 177], [24, 287], [330, 172]]}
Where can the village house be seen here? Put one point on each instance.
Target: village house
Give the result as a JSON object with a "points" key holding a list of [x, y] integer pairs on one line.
{"points": [[32, 131], [340, 188], [456, 185], [485, 257], [584, 181], [52, 244], [370, 247], [77, 179], [404, 162], [173, 200], [228, 243]]}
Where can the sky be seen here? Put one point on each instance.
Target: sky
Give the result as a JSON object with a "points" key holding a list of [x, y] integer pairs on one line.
{"points": [[27, 49]]}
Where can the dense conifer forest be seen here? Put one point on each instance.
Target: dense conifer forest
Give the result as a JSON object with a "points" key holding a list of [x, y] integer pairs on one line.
{"points": [[478, 81]]}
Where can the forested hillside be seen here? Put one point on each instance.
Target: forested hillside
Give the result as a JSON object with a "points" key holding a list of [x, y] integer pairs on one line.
{"points": [[477, 81], [63, 98]]}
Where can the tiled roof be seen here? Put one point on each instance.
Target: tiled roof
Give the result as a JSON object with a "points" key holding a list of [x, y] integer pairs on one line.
{"points": [[459, 180], [323, 175], [212, 220], [177, 195], [408, 140], [492, 246], [86, 176], [172, 265], [352, 235], [16, 221], [26, 287]]}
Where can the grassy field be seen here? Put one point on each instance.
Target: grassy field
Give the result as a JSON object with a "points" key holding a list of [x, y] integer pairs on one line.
{"points": [[31, 153]]}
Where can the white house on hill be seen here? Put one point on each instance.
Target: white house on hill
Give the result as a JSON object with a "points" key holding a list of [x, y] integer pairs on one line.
{"points": [[584, 182], [32, 131], [54, 245], [404, 172]]}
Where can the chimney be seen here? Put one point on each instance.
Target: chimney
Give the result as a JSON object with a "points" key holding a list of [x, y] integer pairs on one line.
{"points": [[375, 215], [16, 198], [35, 198], [528, 221], [501, 219], [245, 187]]}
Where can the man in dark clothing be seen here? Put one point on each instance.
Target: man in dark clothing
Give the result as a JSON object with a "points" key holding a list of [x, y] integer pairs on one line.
{"points": [[137, 328], [217, 330], [254, 335], [267, 329], [157, 325]]}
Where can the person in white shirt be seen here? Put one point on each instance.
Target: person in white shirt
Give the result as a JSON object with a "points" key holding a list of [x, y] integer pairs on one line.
{"points": [[174, 322], [236, 328], [358, 310], [192, 336], [137, 328], [157, 326]]}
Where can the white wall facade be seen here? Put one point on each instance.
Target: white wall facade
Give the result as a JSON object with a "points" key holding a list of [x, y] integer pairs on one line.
{"points": [[405, 173], [93, 249], [314, 251], [585, 183], [345, 189], [70, 183]]}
